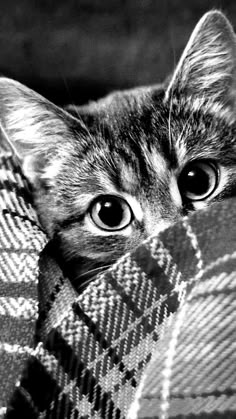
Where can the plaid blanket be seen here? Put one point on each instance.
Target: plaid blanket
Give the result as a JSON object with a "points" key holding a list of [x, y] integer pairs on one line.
{"points": [[153, 337]]}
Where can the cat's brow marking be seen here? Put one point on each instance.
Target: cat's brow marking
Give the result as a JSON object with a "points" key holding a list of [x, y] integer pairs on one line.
{"points": [[129, 178], [107, 186], [180, 145], [83, 200], [157, 163]]}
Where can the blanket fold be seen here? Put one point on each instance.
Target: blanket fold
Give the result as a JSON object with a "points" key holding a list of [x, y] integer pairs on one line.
{"points": [[172, 301]]}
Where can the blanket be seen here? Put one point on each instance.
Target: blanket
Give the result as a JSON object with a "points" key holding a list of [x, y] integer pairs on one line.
{"points": [[153, 337]]}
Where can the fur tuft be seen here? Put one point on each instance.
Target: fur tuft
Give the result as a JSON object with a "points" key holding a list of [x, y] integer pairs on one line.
{"points": [[207, 68], [34, 127]]}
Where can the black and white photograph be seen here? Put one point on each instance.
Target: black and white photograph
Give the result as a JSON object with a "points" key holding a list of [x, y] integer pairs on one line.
{"points": [[118, 209]]}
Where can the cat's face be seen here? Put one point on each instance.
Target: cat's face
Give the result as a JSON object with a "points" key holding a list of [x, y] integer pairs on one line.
{"points": [[131, 164]]}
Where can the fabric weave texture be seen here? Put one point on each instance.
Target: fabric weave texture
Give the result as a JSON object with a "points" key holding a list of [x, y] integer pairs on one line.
{"points": [[153, 337]]}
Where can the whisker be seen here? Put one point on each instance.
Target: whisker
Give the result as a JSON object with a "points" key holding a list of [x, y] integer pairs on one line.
{"points": [[78, 116], [9, 142], [86, 283], [96, 269], [73, 106], [169, 121], [103, 269]]}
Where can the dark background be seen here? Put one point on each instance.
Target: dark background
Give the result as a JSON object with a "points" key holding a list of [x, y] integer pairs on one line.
{"points": [[76, 50]]}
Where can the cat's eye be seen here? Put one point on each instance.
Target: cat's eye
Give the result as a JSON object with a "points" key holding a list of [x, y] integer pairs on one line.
{"points": [[198, 180], [111, 213]]}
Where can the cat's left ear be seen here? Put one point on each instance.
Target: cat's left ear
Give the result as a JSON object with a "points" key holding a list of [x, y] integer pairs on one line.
{"points": [[207, 68], [34, 128]]}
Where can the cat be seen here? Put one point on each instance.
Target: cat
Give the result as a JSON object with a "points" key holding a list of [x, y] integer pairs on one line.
{"points": [[107, 175]]}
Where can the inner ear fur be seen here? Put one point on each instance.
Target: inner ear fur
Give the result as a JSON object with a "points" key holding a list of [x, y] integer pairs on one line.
{"points": [[207, 66], [34, 127]]}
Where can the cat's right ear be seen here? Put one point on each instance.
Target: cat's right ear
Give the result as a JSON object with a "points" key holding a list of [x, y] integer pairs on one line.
{"points": [[207, 68], [34, 127]]}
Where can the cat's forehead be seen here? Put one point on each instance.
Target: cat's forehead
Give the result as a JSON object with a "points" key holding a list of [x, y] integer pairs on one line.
{"points": [[143, 115], [138, 139], [130, 129]]}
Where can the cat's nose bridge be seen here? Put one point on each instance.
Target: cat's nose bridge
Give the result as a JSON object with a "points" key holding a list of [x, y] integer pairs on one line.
{"points": [[160, 226], [157, 222], [165, 211]]}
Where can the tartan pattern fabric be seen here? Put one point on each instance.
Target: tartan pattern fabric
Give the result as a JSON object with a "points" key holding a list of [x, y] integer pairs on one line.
{"points": [[85, 355], [192, 373], [20, 243]]}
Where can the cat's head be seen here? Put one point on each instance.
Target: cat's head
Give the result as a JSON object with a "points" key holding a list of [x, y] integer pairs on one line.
{"points": [[133, 163]]}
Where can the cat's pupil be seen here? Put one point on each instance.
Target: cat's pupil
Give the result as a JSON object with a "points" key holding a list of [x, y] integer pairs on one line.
{"points": [[111, 212], [197, 181]]}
